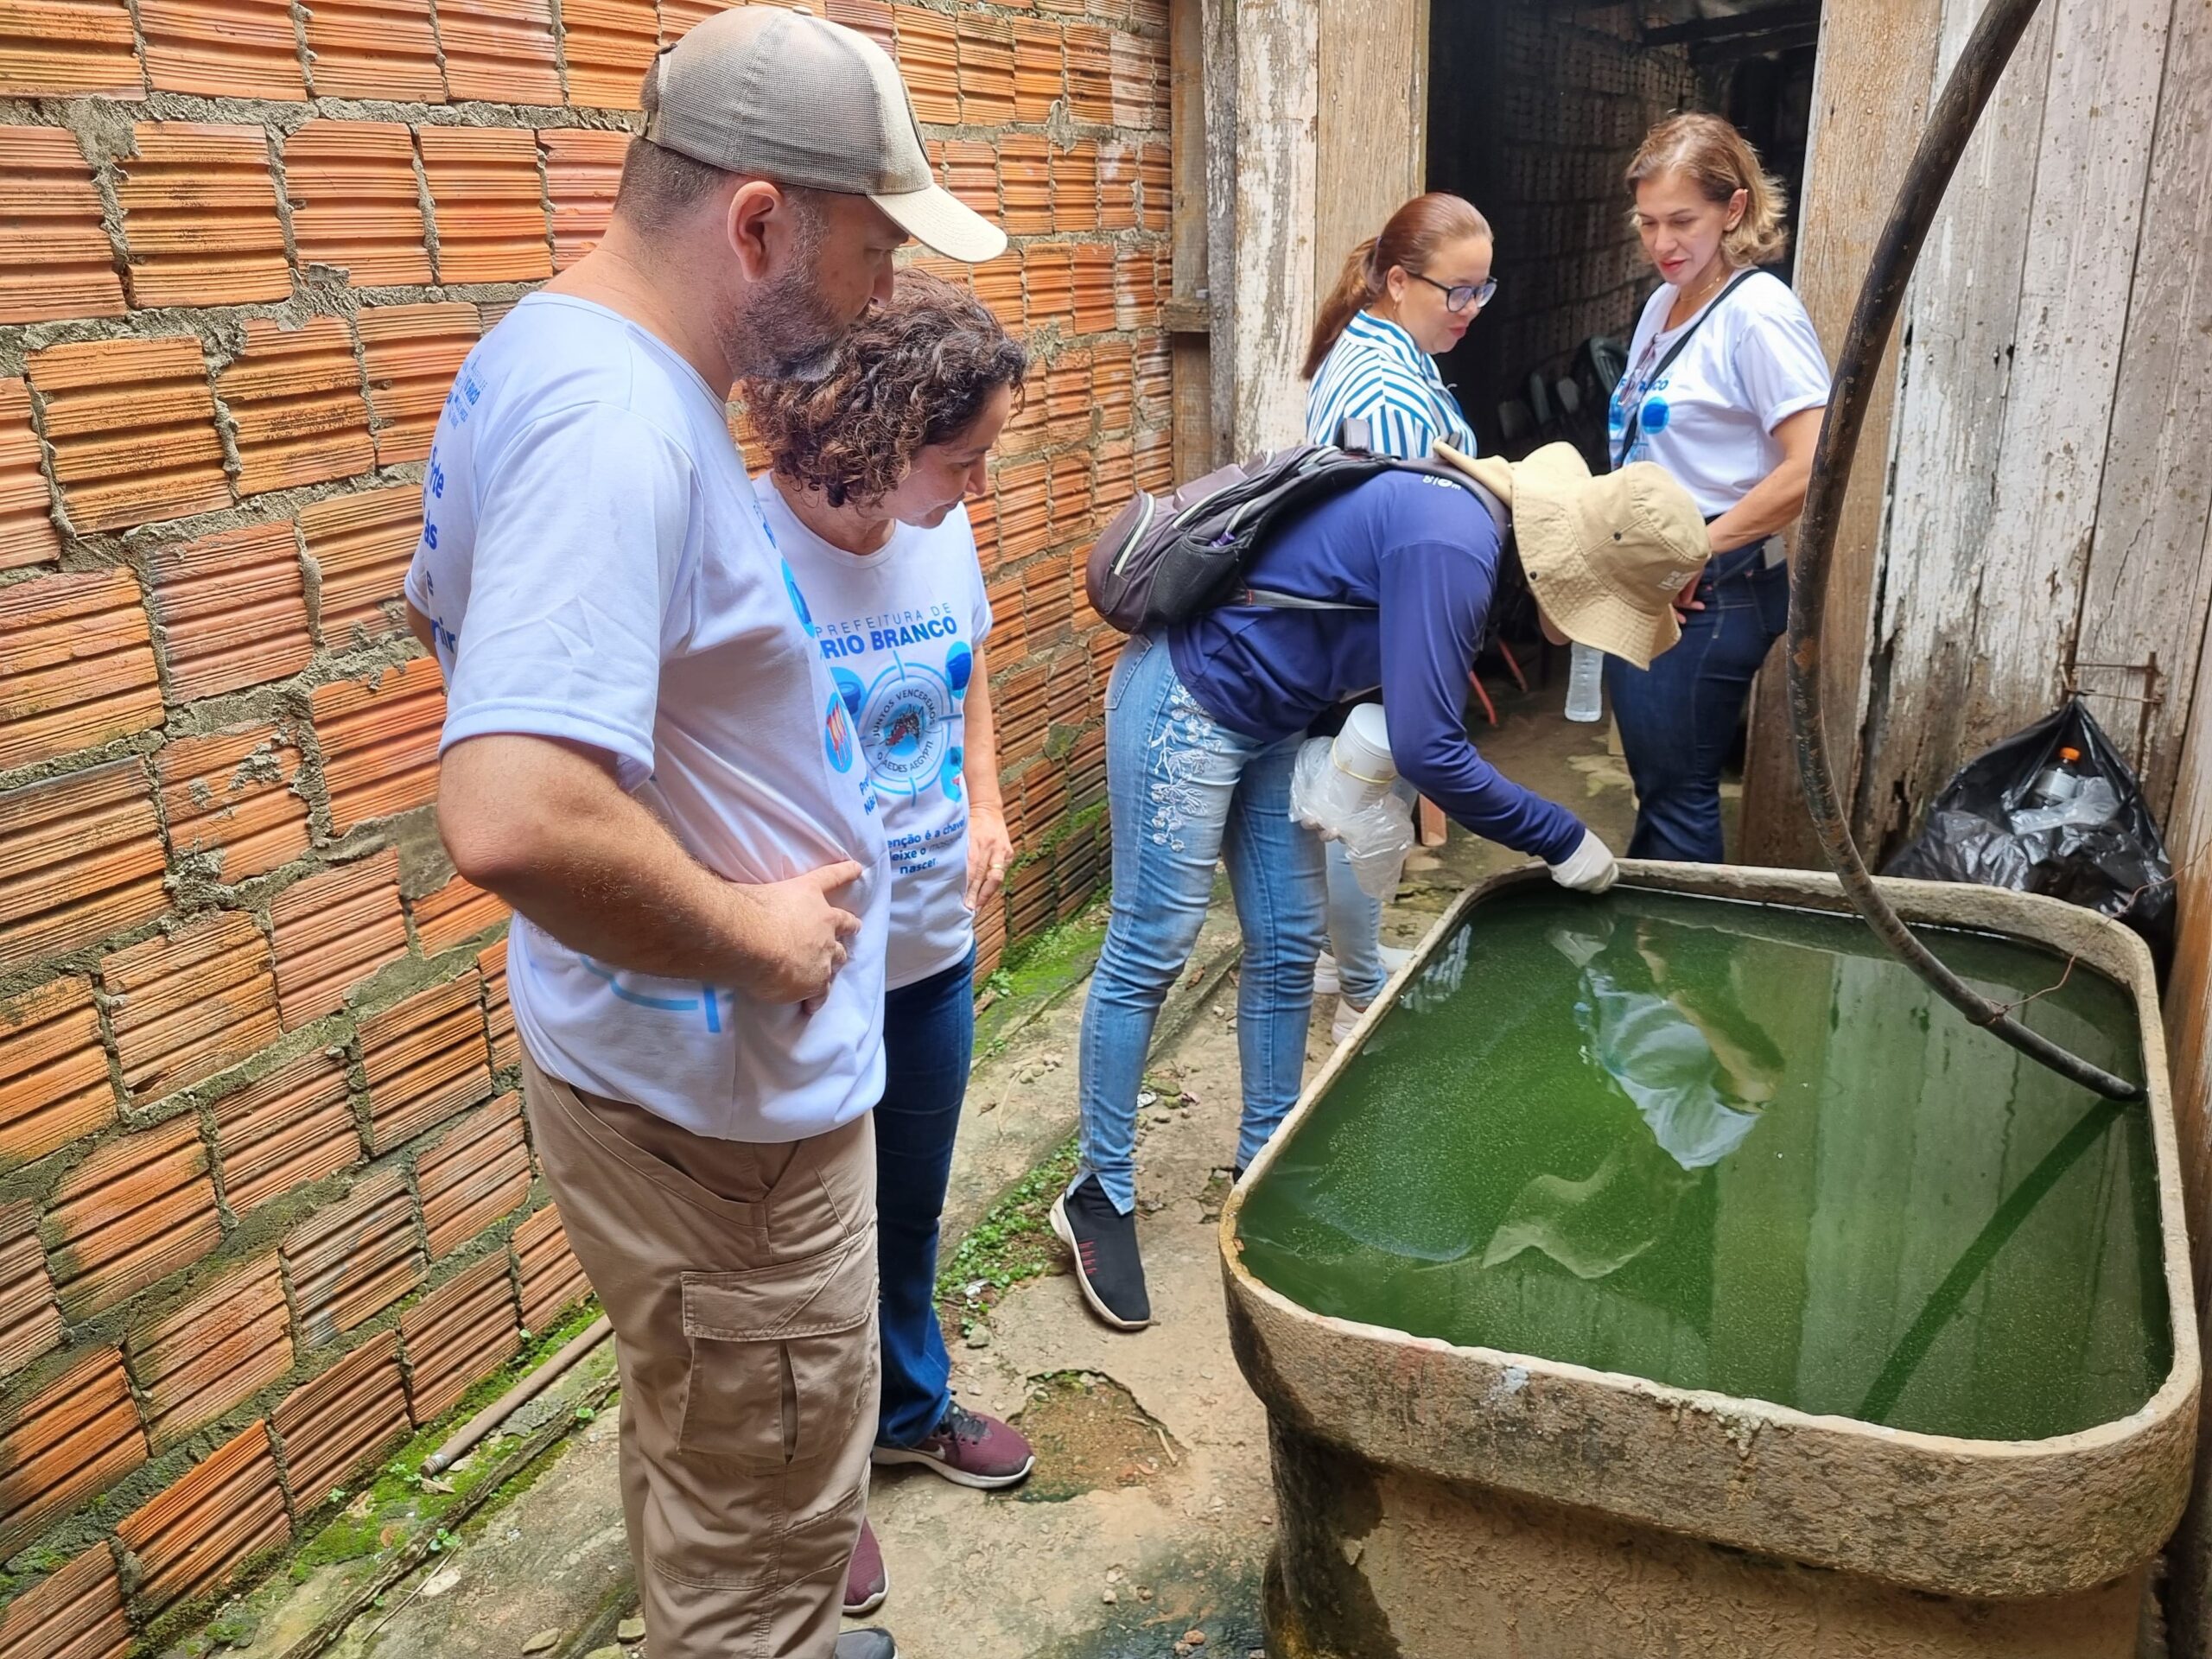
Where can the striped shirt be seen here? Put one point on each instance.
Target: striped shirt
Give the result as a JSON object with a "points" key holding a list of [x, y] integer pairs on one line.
{"points": [[1374, 372]]}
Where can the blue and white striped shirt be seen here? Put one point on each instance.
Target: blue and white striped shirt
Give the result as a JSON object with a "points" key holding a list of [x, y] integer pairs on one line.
{"points": [[1374, 372]]}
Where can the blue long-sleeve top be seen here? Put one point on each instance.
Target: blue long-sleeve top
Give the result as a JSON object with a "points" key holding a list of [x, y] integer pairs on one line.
{"points": [[1424, 553]]}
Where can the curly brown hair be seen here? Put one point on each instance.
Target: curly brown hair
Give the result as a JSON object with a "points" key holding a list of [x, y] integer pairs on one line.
{"points": [[915, 371]]}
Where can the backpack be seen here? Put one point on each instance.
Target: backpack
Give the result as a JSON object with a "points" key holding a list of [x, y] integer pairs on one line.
{"points": [[1166, 559]]}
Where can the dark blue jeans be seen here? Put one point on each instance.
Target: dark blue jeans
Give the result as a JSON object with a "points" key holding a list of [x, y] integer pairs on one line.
{"points": [[928, 1038], [1678, 722]]}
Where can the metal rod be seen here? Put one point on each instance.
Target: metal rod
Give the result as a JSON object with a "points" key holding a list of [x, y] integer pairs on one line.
{"points": [[518, 1396], [1950, 123]]}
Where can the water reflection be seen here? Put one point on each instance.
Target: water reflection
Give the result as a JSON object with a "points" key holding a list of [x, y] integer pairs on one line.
{"points": [[1732, 1148]]}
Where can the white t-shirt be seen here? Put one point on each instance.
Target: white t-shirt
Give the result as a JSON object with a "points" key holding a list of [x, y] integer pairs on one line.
{"points": [[597, 568], [898, 629], [1710, 419]]}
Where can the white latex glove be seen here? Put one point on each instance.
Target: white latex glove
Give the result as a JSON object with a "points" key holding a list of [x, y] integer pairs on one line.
{"points": [[1589, 868]]}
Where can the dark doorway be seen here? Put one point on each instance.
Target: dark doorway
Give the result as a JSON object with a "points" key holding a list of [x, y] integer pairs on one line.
{"points": [[1536, 107]]}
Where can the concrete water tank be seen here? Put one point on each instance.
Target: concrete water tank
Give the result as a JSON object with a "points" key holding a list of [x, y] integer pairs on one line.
{"points": [[1664, 1276]]}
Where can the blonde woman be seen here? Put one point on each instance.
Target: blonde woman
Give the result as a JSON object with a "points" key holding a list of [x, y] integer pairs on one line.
{"points": [[1726, 387]]}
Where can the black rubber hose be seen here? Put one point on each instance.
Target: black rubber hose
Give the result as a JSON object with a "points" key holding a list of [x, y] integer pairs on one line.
{"points": [[1873, 320]]}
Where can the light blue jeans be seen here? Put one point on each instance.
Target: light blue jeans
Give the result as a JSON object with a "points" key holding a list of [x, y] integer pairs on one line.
{"points": [[1355, 932], [1185, 791]]}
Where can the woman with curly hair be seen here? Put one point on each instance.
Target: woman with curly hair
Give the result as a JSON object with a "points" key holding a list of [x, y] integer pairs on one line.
{"points": [[870, 465]]}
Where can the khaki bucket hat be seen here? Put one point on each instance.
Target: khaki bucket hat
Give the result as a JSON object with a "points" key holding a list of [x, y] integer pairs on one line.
{"points": [[1605, 556]]}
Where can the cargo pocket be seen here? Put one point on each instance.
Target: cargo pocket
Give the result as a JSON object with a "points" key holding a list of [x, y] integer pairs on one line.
{"points": [[778, 1373]]}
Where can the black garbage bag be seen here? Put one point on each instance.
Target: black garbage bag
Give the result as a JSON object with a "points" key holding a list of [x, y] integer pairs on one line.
{"points": [[2052, 810]]}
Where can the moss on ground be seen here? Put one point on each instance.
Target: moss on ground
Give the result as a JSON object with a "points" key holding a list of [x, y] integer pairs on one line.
{"points": [[1011, 1244]]}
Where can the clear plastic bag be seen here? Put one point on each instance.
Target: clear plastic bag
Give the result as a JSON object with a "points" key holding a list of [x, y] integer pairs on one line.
{"points": [[1377, 836]]}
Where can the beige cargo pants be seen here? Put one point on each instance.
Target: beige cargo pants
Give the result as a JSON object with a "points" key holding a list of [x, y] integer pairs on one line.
{"points": [[741, 1280]]}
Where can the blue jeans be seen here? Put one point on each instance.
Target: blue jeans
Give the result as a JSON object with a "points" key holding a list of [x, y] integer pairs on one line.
{"points": [[1355, 931], [1183, 790], [928, 1038], [1678, 722]]}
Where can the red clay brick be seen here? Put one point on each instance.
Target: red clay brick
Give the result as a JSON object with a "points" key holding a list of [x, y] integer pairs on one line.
{"points": [[457, 1335], [552, 1278], [26, 513], [132, 423], [138, 1208], [361, 545], [1067, 394], [1129, 80], [1118, 165], [871, 17], [229, 799], [355, 204], [374, 48], [998, 285], [1075, 187], [185, 1005], [292, 1127], [1070, 495], [1155, 462], [1009, 641], [1154, 177], [214, 1353], [607, 43], [294, 396], [971, 171], [379, 741], [1113, 384], [678, 17], [80, 858], [1094, 309], [582, 166], [1091, 89], [222, 48], [74, 1613], [232, 610], [1025, 429], [1040, 78], [341, 1418], [1048, 284], [987, 77], [30, 1324], [80, 665], [199, 216], [456, 913], [425, 1058], [334, 930], [59, 48], [1045, 596], [189, 1539], [76, 1436], [488, 202], [929, 59], [412, 352], [352, 1258], [983, 523], [477, 1172], [1024, 514], [1026, 183], [1136, 289], [1155, 378], [501, 51], [499, 1013], [57, 261]]}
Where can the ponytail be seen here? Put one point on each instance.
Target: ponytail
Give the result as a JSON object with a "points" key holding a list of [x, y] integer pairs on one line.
{"points": [[1411, 239], [1355, 285]]}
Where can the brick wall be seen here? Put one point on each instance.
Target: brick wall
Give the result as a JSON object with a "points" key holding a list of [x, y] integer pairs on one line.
{"points": [[1536, 112], [266, 1200]]}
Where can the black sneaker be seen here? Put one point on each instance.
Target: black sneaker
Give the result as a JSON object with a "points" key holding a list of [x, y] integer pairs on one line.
{"points": [[870, 1644], [1107, 1265]]}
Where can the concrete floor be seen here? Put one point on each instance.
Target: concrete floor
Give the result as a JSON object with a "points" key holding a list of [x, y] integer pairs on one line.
{"points": [[1158, 1525]]}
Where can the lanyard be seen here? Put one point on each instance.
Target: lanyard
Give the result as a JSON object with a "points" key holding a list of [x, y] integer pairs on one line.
{"points": [[1634, 427]]}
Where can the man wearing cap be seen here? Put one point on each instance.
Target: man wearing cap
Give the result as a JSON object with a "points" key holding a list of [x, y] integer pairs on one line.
{"points": [[1203, 724], [644, 755]]}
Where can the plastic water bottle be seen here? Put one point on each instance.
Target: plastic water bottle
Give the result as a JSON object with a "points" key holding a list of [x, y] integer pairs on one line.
{"points": [[1585, 683]]}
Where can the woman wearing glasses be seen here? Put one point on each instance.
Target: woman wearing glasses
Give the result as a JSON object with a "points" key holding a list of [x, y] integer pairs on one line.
{"points": [[1405, 297]]}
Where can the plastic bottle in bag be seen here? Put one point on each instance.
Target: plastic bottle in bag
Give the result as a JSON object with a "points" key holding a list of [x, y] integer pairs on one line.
{"points": [[1585, 683]]}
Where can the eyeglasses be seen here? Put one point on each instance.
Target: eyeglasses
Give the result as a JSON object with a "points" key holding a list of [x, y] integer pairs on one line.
{"points": [[1466, 293]]}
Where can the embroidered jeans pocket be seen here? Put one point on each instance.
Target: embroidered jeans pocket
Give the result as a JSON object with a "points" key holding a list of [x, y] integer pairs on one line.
{"points": [[782, 1356]]}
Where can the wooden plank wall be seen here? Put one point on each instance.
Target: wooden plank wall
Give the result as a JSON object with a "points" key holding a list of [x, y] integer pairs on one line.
{"points": [[1372, 143]]}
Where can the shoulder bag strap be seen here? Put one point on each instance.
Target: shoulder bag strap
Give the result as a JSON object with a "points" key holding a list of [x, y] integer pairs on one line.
{"points": [[1635, 427]]}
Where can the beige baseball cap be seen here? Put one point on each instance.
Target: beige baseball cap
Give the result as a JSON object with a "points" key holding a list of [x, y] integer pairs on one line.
{"points": [[1604, 555], [785, 96]]}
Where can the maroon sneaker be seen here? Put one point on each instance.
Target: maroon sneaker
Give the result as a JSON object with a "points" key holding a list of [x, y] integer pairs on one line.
{"points": [[968, 1449], [867, 1581]]}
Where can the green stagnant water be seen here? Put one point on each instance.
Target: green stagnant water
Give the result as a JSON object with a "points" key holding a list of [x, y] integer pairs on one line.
{"points": [[1736, 1147]]}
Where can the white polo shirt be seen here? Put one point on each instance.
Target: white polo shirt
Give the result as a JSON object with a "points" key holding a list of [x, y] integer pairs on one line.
{"points": [[597, 568]]}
